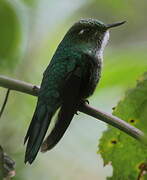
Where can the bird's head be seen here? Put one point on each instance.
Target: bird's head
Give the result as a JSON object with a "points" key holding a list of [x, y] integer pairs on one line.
{"points": [[91, 31]]}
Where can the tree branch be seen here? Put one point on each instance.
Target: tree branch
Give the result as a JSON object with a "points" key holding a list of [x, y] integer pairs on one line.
{"points": [[28, 88]]}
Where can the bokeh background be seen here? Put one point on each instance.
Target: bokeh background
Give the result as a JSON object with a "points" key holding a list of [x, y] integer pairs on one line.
{"points": [[30, 31]]}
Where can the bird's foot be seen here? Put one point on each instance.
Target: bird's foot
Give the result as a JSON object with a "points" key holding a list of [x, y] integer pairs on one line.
{"points": [[81, 102]]}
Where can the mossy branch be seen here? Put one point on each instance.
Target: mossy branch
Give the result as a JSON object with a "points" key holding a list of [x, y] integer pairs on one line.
{"points": [[28, 88]]}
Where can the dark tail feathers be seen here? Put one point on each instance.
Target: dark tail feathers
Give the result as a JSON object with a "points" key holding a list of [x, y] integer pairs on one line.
{"points": [[36, 132], [64, 118]]}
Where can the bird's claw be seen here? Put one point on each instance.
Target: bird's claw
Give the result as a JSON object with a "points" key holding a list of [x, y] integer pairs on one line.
{"points": [[84, 101]]}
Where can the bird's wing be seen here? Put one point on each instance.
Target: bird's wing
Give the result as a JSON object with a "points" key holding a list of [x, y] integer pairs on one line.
{"points": [[70, 100]]}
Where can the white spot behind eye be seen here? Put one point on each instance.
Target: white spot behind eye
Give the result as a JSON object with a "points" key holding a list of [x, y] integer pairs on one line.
{"points": [[81, 32]]}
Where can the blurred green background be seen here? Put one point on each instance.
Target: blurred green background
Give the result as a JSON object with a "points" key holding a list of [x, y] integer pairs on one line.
{"points": [[30, 31]]}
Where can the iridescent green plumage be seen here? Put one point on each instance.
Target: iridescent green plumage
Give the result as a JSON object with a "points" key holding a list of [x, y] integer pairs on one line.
{"points": [[70, 78]]}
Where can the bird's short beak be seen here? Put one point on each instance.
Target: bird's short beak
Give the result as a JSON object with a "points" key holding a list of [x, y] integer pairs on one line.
{"points": [[108, 26]]}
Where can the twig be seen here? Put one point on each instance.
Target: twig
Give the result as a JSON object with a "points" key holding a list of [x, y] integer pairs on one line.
{"points": [[17, 85], [110, 119], [4, 103]]}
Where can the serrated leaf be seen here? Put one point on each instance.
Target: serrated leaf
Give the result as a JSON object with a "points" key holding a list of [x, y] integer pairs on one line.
{"points": [[127, 155]]}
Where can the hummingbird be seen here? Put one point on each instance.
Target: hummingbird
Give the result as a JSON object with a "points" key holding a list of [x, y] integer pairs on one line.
{"points": [[70, 78]]}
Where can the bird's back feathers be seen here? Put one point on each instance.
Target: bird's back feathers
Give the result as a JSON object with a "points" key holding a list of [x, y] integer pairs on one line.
{"points": [[70, 100]]}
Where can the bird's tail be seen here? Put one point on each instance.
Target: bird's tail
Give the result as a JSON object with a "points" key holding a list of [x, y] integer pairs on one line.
{"points": [[36, 132], [65, 116]]}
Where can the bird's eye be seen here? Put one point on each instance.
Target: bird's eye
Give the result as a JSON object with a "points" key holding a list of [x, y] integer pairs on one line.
{"points": [[81, 31]]}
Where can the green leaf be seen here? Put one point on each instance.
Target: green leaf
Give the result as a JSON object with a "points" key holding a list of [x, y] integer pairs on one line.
{"points": [[127, 156]]}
